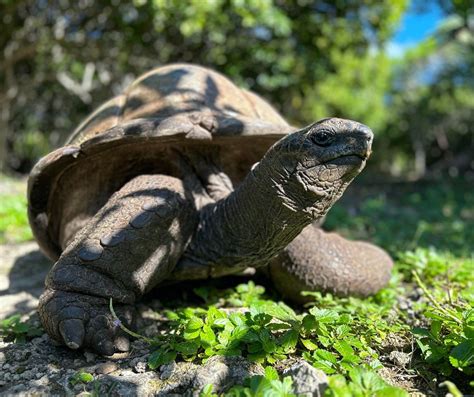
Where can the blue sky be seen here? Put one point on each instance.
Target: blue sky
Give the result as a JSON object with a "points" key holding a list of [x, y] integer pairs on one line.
{"points": [[414, 27]]}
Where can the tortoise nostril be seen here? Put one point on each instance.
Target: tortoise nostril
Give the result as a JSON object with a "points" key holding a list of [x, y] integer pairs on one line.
{"points": [[366, 132]]}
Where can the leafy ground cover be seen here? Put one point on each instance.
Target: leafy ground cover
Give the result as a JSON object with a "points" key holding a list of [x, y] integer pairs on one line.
{"points": [[416, 335]]}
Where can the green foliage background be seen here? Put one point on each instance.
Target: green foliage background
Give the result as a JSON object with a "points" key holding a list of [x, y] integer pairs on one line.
{"points": [[311, 59]]}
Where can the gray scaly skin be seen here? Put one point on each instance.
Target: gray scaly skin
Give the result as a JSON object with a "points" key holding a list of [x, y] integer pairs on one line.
{"points": [[319, 261], [296, 182], [128, 247]]}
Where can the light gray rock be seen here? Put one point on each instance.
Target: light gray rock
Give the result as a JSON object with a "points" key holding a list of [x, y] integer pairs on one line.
{"points": [[42, 381], [27, 375], [106, 368], [129, 383], [140, 367], [399, 358], [167, 370], [224, 372], [307, 380]]}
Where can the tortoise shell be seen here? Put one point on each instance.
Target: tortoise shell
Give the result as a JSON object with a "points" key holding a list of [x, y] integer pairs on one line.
{"points": [[138, 132]]}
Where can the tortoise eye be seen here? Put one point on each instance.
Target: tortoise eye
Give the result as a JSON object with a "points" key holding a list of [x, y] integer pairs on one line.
{"points": [[322, 138]]}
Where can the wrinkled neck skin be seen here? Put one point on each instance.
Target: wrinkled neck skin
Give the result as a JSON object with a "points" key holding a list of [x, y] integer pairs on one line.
{"points": [[255, 222]]}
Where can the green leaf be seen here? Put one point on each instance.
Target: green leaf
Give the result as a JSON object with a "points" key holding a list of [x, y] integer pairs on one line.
{"points": [[20, 328], [220, 322], [239, 332], [271, 373], [171, 315], [160, 357], [258, 357], [324, 360], [194, 324], [81, 377], [278, 310], [237, 319], [289, 340], [309, 322], [324, 315], [207, 335], [215, 316], [325, 355], [207, 391], [255, 347], [344, 348], [192, 334], [339, 387], [462, 356], [435, 328], [224, 337], [187, 348], [308, 344], [189, 312]]}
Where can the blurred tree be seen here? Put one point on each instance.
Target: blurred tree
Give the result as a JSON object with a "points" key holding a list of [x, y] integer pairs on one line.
{"points": [[312, 59], [432, 98]]}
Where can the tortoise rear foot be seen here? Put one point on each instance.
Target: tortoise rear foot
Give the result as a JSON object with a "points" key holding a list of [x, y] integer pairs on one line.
{"points": [[84, 321], [326, 262]]}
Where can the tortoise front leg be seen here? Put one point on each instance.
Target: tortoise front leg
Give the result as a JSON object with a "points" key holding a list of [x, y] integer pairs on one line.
{"points": [[127, 248], [319, 261]]}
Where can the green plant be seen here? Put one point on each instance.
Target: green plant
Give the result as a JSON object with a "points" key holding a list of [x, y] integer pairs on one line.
{"points": [[362, 383], [207, 391], [334, 336], [243, 295], [448, 341], [14, 330], [81, 377], [268, 385]]}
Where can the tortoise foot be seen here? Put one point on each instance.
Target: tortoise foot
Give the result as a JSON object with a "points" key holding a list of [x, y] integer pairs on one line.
{"points": [[326, 262], [83, 321]]}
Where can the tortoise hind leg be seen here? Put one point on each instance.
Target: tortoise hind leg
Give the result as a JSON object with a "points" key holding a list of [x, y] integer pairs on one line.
{"points": [[127, 248], [326, 262]]}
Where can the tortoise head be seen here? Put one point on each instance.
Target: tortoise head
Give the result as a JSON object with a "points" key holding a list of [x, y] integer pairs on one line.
{"points": [[315, 164]]}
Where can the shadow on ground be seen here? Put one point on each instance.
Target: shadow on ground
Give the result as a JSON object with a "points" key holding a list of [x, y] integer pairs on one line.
{"points": [[23, 269]]}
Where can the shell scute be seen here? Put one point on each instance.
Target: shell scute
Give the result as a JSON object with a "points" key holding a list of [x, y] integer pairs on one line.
{"points": [[132, 133]]}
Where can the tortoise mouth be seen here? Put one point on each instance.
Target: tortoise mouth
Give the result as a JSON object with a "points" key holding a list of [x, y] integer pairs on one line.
{"points": [[348, 159]]}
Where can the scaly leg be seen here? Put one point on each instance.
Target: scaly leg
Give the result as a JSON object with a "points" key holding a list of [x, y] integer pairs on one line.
{"points": [[326, 262], [127, 248]]}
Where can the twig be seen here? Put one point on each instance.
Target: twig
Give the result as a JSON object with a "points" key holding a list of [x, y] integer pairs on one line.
{"points": [[124, 328]]}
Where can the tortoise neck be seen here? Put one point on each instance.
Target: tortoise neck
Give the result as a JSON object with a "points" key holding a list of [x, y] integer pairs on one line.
{"points": [[247, 228]]}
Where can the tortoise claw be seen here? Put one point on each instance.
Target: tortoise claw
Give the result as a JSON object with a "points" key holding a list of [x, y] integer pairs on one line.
{"points": [[72, 331], [84, 321], [102, 342]]}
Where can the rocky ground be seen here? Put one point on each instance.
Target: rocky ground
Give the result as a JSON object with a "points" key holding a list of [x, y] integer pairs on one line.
{"points": [[40, 367]]}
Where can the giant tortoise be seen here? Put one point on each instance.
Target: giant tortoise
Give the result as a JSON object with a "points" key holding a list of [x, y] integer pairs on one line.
{"points": [[185, 176]]}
